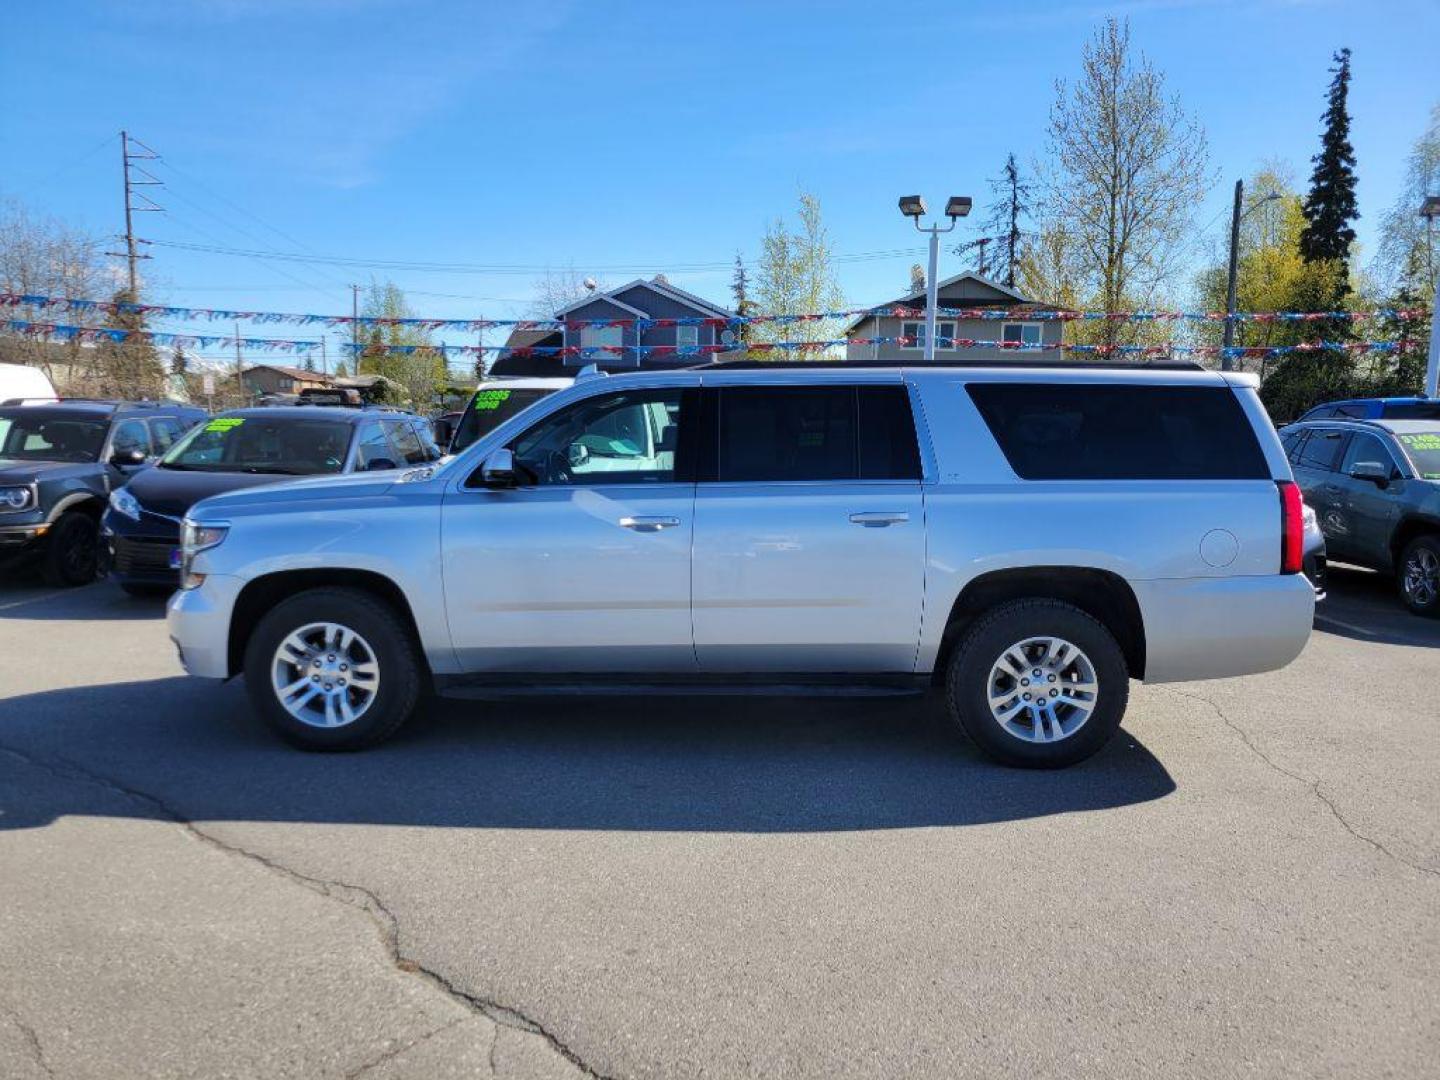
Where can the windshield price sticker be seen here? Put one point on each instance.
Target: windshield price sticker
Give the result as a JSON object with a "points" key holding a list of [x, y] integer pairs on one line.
{"points": [[225, 423], [486, 400], [1421, 442]]}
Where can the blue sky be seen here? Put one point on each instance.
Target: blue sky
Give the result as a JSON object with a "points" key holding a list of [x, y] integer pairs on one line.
{"points": [[623, 137]]}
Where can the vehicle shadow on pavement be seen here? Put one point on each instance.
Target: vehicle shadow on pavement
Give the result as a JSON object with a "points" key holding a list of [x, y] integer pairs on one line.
{"points": [[1365, 606], [652, 763], [102, 600]]}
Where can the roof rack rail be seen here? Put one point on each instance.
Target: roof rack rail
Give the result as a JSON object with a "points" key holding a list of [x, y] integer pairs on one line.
{"points": [[919, 365], [22, 400]]}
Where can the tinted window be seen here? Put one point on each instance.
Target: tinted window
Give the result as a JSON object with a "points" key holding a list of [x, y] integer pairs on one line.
{"points": [[888, 449], [777, 433], [1366, 448], [130, 435], [1098, 432], [626, 438], [373, 447], [408, 448], [31, 434], [1322, 450], [1414, 410], [1292, 441], [166, 431]]}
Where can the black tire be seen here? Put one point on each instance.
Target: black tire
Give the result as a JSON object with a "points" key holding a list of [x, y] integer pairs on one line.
{"points": [[72, 554], [968, 680], [1420, 555], [146, 592], [402, 675]]}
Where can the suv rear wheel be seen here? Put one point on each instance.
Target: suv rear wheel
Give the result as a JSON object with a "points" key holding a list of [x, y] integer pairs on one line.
{"points": [[333, 669], [1038, 684], [1420, 575]]}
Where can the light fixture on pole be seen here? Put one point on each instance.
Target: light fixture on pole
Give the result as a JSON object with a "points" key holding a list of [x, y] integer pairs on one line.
{"points": [[913, 207], [1430, 210], [1232, 279]]}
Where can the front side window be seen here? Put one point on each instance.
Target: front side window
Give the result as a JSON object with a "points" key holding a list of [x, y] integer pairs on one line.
{"points": [[944, 335], [1366, 448], [29, 434], [408, 448], [130, 435], [253, 444], [1020, 333], [372, 448], [625, 438], [166, 432]]}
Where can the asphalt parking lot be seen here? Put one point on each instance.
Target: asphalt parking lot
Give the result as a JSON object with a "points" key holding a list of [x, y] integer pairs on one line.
{"points": [[1246, 883]]}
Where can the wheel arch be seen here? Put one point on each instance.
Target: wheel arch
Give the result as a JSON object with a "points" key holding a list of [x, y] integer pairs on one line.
{"points": [[1409, 528], [261, 594], [1103, 594]]}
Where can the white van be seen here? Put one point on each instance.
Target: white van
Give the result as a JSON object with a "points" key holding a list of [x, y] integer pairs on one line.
{"points": [[20, 383]]}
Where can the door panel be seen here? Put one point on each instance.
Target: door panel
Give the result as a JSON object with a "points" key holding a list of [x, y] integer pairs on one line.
{"points": [[583, 579], [1371, 512], [785, 580]]}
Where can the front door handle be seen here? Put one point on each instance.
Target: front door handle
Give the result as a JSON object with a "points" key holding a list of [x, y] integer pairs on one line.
{"points": [[649, 524], [879, 519]]}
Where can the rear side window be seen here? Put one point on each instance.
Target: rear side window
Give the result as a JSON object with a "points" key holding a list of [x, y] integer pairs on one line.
{"points": [[1321, 451], [1099, 432], [790, 433]]}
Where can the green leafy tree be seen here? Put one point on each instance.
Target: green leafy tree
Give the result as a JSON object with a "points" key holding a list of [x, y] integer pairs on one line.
{"points": [[405, 355], [796, 275]]}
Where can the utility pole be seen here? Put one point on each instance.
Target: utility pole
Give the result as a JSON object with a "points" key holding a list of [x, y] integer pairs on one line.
{"points": [[1430, 210], [1226, 364], [355, 329], [324, 359], [129, 169]]}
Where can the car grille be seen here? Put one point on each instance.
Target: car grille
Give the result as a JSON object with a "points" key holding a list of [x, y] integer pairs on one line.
{"points": [[134, 555]]}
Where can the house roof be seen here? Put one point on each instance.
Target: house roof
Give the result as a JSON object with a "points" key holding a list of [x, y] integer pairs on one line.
{"points": [[1014, 299], [916, 294], [662, 287], [290, 372]]}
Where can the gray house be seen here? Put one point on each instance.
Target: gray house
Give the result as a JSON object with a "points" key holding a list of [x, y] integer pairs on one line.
{"points": [[968, 290], [640, 299]]}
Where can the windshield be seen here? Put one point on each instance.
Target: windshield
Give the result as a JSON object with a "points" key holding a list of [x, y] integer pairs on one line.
{"points": [[1423, 448], [491, 407], [256, 444], [29, 434]]}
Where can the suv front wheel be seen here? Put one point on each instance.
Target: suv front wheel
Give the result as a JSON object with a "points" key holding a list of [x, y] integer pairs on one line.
{"points": [[1038, 684], [333, 669]]}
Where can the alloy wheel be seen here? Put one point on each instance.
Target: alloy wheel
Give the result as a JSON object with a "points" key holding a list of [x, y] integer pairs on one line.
{"points": [[325, 675], [1042, 689], [1421, 579]]}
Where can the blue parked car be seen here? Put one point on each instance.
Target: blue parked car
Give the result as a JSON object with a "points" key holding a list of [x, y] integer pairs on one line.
{"points": [[1377, 408]]}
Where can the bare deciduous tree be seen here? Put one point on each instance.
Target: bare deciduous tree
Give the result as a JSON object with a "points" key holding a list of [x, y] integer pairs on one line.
{"points": [[1126, 168]]}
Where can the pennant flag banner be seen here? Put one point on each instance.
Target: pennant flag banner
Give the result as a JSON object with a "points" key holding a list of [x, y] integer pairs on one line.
{"points": [[603, 352], [94, 334], [187, 314]]}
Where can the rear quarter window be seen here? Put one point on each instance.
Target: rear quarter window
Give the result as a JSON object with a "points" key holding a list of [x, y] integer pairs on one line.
{"points": [[1069, 431]]}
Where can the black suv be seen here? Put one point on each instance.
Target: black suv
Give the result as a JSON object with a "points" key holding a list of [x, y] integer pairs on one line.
{"points": [[246, 448], [1375, 486], [59, 461]]}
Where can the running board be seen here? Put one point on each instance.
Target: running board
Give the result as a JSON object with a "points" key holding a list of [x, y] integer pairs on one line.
{"points": [[507, 691]]}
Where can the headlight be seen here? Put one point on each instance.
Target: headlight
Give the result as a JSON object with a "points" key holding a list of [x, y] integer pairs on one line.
{"points": [[196, 537], [16, 498], [122, 502]]}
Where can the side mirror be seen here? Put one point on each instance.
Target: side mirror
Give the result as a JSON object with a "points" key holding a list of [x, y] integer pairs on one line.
{"points": [[1373, 471], [498, 470], [125, 459], [379, 463]]}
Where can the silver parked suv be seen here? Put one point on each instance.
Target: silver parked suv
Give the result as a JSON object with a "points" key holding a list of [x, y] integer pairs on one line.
{"points": [[1030, 538]]}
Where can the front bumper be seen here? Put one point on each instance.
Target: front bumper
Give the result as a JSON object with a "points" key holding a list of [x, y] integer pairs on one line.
{"points": [[140, 553], [199, 624], [18, 542]]}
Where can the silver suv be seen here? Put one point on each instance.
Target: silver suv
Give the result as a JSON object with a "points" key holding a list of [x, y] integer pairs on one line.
{"points": [[1028, 538]]}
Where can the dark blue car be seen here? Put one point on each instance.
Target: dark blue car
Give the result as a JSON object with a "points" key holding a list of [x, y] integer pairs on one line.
{"points": [[245, 448], [1378, 408]]}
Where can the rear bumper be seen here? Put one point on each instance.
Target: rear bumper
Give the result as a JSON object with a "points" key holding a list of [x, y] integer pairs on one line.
{"points": [[199, 625], [1215, 628]]}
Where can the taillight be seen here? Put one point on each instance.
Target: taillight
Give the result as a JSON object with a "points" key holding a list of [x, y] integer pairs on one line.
{"points": [[1292, 527]]}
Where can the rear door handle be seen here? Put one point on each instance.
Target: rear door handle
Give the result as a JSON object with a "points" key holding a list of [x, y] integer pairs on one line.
{"points": [[649, 524], [879, 519]]}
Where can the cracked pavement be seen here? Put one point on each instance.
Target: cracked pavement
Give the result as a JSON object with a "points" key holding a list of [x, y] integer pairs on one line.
{"points": [[1243, 884]]}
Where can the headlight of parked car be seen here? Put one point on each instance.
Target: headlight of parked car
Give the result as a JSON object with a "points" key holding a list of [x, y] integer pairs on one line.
{"points": [[122, 502], [16, 498]]}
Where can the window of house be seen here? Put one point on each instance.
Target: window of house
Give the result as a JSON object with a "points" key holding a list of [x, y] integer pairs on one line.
{"points": [[1027, 333], [687, 337], [944, 335], [601, 337]]}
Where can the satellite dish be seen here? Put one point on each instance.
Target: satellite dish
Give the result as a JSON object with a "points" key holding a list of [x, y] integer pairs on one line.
{"points": [[590, 284]]}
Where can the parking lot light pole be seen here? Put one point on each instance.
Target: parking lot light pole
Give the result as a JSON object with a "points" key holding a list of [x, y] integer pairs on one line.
{"points": [[1430, 210], [913, 207]]}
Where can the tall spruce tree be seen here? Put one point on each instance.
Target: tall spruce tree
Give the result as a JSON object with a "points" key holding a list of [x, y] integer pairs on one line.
{"points": [[740, 290], [1330, 207], [1011, 205]]}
